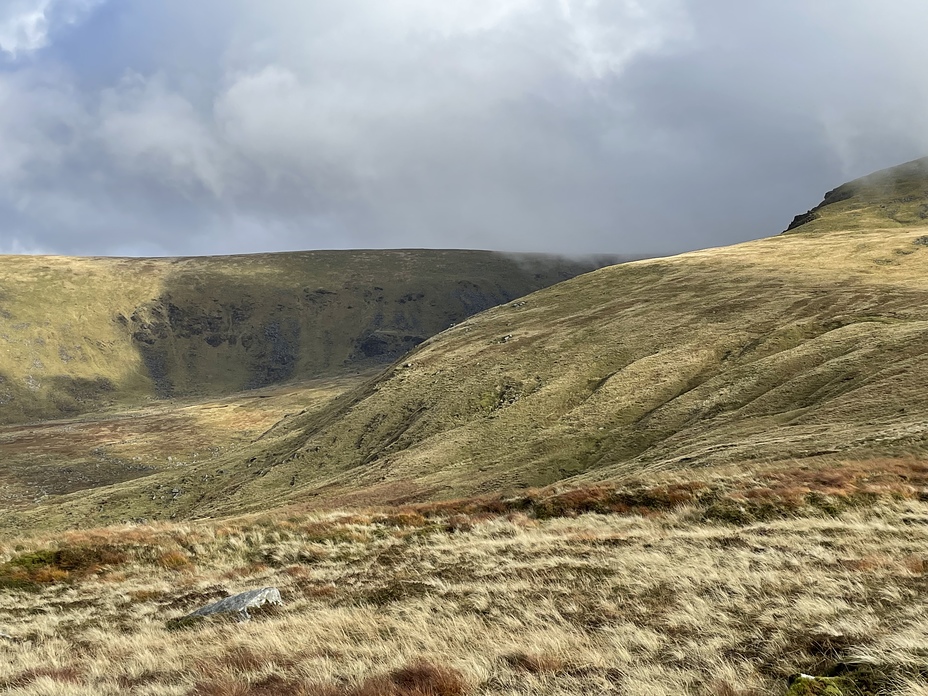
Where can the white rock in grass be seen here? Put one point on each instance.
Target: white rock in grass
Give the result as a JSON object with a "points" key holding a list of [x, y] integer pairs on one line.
{"points": [[241, 603]]}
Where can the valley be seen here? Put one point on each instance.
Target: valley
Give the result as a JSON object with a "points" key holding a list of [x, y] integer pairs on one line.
{"points": [[65, 456], [705, 473], [83, 335]]}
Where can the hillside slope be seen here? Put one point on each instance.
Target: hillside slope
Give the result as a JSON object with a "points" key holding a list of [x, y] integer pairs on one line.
{"points": [[80, 334], [774, 350], [794, 348], [890, 198]]}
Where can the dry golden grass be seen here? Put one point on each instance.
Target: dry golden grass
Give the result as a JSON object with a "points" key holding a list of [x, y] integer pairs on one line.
{"points": [[495, 596]]}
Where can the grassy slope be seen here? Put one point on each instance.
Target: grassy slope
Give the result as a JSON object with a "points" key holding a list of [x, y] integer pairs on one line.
{"points": [[410, 604], [782, 348], [777, 349], [796, 346], [81, 334]]}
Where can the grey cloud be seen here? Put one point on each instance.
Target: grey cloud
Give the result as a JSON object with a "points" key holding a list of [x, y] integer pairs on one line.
{"points": [[214, 127], [26, 25]]}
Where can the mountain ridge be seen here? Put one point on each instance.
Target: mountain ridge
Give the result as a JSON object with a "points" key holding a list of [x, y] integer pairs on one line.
{"points": [[801, 347], [893, 197]]}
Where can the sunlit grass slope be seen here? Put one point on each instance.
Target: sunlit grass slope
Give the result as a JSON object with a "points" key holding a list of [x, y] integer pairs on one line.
{"points": [[81, 334], [779, 349]]}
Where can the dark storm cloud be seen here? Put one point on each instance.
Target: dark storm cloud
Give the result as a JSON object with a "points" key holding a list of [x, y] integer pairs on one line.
{"points": [[171, 127]]}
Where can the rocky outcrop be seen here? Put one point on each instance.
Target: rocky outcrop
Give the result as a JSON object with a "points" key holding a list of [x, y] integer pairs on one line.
{"points": [[892, 197]]}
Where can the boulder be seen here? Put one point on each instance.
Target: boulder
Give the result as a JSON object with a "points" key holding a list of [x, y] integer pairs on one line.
{"points": [[236, 604]]}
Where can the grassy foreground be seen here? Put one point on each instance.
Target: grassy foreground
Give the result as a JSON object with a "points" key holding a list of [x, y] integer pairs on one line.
{"points": [[723, 585]]}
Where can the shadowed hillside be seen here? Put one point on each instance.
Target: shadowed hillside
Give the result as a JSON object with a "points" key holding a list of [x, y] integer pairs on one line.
{"points": [[81, 334]]}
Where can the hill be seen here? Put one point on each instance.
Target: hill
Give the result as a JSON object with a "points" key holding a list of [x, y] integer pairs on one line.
{"points": [[776, 350], [747, 424], [85, 334], [890, 198], [801, 347]]}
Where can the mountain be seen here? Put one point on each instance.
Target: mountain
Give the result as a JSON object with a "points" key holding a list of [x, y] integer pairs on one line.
{"points": [[802, 348], [809, 344], [85, 334]]}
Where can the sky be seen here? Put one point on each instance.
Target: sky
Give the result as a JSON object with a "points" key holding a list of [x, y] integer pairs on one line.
{"points": [[180, 127]]}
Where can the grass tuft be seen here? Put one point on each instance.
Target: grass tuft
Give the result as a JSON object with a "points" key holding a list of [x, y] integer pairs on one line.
{"points": [[535, 663]]}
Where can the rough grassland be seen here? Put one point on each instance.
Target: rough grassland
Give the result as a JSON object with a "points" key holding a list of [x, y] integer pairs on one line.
{"points": [[65, 456], [538, 600]]}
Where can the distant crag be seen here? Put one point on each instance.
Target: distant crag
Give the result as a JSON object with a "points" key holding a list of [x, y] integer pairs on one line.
{"points": [[890, 198]]}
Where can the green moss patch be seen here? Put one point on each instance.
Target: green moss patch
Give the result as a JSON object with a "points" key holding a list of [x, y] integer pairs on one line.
{"points": [[805, 685]]}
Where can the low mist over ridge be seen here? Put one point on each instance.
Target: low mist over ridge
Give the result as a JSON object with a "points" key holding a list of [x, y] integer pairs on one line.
{"points": [[890, 198], [174, 128]]}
